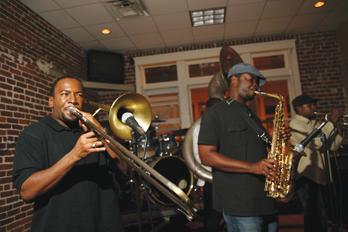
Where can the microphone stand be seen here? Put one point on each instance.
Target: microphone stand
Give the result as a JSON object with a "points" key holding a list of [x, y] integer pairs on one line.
{"points": [[138, 185], [336, 217], [136, 182], [332, 193], [315, 132]]}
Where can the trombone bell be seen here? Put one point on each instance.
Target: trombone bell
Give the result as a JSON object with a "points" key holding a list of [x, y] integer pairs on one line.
{"points": [[134, 103]]}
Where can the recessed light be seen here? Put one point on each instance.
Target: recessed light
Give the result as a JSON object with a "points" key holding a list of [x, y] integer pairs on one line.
{"points": [[106, 31], [319, 4]]}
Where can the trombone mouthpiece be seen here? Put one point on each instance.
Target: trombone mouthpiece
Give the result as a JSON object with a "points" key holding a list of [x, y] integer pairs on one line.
{"points": [[72, 109]]}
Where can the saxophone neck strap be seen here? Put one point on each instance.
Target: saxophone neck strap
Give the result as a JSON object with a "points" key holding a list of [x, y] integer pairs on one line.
{"points": [[247, 115]]}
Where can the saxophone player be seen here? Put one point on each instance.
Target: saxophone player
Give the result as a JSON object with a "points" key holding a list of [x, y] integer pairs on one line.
{"points": [[238, 156], [311, 172]]}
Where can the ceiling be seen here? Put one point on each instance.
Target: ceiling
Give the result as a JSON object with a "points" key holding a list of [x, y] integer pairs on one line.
{"points": [[168, 23]]}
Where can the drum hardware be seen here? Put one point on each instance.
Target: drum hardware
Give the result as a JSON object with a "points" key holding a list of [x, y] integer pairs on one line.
{"points": [[157, 119], [148, 146], [167, 144]]}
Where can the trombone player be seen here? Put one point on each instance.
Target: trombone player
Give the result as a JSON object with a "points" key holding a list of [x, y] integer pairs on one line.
{"points": [[65, 170]]}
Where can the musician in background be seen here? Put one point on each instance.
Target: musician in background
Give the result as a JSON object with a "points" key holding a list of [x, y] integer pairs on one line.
{"points": [[65, 170], [238, 156], [311, 170]]}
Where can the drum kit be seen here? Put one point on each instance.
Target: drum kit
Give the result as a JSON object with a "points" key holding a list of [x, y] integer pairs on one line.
{"points": [[162, 153], [157, 173]]}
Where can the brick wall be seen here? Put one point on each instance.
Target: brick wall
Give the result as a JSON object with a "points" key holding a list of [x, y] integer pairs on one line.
{"points": [[32, 52], [321, 69], [342, 35]]}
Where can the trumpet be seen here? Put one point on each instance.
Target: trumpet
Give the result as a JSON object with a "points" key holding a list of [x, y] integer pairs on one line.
{"points": [[161, 183], [342, 122]]}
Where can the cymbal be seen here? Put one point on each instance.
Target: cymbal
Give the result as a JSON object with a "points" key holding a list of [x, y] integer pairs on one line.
{"points": [[157, 120], [180, 132]]}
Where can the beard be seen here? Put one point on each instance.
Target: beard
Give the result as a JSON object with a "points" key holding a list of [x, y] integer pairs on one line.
{"points": [[246, 94], [71, 122]]}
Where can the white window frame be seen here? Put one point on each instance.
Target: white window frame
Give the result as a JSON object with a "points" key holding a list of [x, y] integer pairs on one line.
{"points": [[184, 83]]}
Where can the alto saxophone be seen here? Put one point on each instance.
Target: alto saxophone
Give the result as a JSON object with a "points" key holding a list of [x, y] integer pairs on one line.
{"points": [[281, 151]]}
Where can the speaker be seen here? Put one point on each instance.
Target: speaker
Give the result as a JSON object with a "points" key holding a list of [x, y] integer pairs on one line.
{"points": [[105, 67]]}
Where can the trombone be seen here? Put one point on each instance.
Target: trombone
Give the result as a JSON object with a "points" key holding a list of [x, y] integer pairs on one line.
{"points": [[141, 109]]}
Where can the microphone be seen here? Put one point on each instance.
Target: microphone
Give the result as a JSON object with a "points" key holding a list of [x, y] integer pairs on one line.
{"points": [[314, 133], [128, 119]]}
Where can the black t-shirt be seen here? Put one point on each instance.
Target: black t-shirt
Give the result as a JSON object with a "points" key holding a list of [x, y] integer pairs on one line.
{"points": [[237, 194], [85, 199]]}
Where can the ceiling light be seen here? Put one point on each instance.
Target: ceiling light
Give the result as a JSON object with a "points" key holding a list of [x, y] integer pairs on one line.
{"points": [[208, 17], [319, 4], [106, 31]]}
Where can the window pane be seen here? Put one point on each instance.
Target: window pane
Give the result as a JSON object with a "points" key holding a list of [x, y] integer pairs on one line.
{"points": [[199, 98], [205, 69], [269, 62], [160, 74], [166, 107], [266, 105]]}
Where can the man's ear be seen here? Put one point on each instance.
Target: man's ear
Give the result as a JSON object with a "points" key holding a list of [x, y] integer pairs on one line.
{"points": [[50, 102]]}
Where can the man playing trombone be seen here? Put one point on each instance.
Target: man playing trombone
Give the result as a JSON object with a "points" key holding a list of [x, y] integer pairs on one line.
{"points": [[65, 170]]}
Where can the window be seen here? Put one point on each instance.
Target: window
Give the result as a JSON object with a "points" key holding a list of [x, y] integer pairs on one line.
{"points": [[269, 62], [204, 69], [166, 107], [160, 74], [189, 72]]}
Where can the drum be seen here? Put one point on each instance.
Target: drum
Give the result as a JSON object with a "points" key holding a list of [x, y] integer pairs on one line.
{"points": [[168, 144], [175, 170]]}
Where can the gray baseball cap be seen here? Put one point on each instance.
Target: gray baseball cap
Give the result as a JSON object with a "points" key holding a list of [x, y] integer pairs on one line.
{"points": [[246, 68]]}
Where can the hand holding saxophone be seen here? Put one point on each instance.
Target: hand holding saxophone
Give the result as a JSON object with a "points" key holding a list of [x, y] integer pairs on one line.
{"points": [[265, 167]]}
